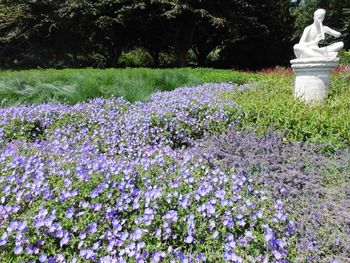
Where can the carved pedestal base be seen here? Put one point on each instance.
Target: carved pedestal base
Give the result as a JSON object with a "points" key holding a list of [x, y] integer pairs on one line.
{"points": [[312, 78]]}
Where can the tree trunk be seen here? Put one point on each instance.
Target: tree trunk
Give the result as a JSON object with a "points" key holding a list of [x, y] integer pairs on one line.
{"points": [[155, 57], [113, 58], [202, 59], [183, 43], [202, 53], [181, 56]]}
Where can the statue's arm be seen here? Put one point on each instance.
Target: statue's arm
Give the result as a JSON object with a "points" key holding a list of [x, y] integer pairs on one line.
{"points": [[303, 40], [304, 36], [331, 32]]}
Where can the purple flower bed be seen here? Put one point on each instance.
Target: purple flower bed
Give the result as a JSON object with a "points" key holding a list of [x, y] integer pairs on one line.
{"points": [[314, 187], [107, 181]]}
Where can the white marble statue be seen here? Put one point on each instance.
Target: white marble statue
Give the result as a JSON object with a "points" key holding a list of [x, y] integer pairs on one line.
{"points": [[308, 44]]}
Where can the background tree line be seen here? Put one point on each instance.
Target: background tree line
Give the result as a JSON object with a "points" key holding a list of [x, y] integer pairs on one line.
{"points": [[158, 33]]}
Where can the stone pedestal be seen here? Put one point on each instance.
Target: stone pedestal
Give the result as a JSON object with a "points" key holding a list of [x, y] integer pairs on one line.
{"points": [[312, 78]]}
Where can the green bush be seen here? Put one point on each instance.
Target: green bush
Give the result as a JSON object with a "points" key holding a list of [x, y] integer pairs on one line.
{"points": [[135, 58], [270, 105], [167, 59], [345, 57]]}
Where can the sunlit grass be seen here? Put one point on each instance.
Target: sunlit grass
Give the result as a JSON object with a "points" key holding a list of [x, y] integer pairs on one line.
{"points": [[75, 85]]}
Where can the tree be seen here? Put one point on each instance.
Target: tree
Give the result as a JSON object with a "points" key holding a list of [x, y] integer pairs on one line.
{"points": [[260, 35], [24, 28], [176, 26], [67, 32], [95, 27], [80, 33]]}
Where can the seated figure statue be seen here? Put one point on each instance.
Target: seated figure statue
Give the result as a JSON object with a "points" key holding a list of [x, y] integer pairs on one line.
{"points": [[308, 44]]}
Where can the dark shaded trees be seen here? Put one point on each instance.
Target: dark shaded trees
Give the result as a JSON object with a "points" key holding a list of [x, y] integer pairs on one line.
{"points": [[62, 33], [178, 26], [261, 36], [24, 30], [79, 33]]}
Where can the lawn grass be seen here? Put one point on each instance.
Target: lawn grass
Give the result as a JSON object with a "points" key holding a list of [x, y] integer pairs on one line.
{"points": [[75, 85]]}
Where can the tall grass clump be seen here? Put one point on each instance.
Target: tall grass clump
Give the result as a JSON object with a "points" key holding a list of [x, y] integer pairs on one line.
{"points": [[76, 85]]}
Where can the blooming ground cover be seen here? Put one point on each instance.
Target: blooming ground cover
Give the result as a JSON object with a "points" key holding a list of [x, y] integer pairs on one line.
{"points": [[314, 186], [110, 181]]}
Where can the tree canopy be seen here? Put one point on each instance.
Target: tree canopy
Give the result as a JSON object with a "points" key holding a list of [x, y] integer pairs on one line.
{"points": [[95, 33]]}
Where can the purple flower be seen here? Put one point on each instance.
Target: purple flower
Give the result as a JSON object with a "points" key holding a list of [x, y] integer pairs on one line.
{"points": [[268, 235], [69, 213], [215, 234], [135, 204], [82, 235], [18, 250], [64, 241], [189, 239], [212, 225], [232, 257], [142, 157], [92, 228], [22, 225], [149, 211], [87, 253], [124, 236], [13, 226], [137, 234], [108, 259], [43, 258], [59, 258], [277, 255], [171, 216], [249, 234], [156, 257], [230, 237], [210, 209]]}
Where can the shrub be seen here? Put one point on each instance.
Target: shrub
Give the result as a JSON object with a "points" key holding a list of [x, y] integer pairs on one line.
{"points": [[137, 57], [270, 105], [345, 57]]}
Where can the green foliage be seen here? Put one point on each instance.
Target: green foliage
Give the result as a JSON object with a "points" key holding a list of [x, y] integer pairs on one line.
{"points": [[344, 57], [135, 58], [261, 35], [167, 59], [73, 86], [266, 105], [23, 130], [270, 105], [87, 33]]}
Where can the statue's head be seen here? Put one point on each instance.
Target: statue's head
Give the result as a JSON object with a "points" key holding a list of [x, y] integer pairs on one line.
{"points": [[319, 14]]}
